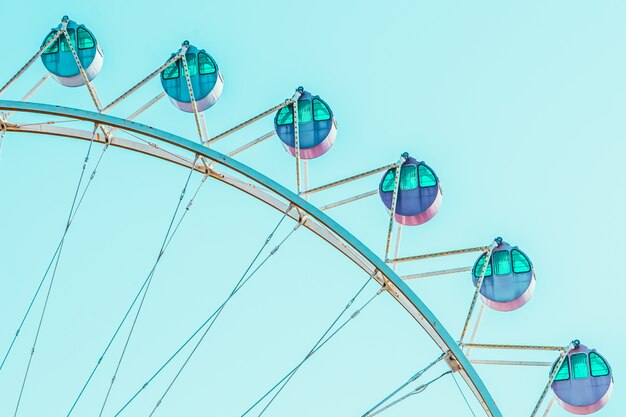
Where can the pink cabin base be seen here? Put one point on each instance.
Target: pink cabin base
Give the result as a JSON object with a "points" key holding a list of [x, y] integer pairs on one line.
{"points": [[424, 216], [317, 150], [513, 304], [588, 409]]}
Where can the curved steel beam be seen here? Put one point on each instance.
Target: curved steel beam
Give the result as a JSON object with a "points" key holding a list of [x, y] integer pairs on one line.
{"points": [[393, 283]]}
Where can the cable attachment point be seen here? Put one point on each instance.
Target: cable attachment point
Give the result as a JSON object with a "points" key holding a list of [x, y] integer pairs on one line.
{"points": [[452, 362]]}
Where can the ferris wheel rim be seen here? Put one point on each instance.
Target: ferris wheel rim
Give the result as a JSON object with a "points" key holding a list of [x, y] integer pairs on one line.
{"points": [[383, 273]]}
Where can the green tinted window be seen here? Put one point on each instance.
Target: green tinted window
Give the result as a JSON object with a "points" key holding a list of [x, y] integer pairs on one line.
{"points": [[501, 262], [520, 262], [389, 181], [54, 48], [598, 366], [85, 40], [206, 64], [320, 110], [64, 46], [580, 368], [427, 178], [563, 373], [192, 64], [479, 267], [172, 71], [408, 177], [285, 116], [304, 111]]}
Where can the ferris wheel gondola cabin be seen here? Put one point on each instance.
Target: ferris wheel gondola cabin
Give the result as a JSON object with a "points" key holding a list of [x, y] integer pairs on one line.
{"points": [[584, 383], [419, 192], [205, 76], [317, 127], [59, 59], [509, 277]]}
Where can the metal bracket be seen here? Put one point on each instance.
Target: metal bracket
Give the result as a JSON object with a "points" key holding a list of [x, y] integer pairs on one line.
{"points": [[452, 362]]}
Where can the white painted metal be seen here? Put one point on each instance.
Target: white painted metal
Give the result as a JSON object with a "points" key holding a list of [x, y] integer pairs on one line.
{"points": [[437, 273], [481, 311], [318, 223], [252, 143], [509, 363], [549, 407], [348, 200]]}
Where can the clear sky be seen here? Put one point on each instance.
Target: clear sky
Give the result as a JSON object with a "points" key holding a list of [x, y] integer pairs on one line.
{"points": [[517, 107]]}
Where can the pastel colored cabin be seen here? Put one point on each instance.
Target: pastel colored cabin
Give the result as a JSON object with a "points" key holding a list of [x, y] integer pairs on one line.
{"points": [[60, 62], [584, 383], [317, 127], [509, 277], [206, 80], [419, 192]]}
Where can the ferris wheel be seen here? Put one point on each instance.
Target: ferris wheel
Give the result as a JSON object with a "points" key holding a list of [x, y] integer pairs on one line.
{"points": [[503, 275]]}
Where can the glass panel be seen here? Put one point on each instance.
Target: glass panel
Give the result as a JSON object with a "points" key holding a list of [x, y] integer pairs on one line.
{"points": [[206, 64], [501, 262], [598, 366], [320, 110], [520, 262], [427, 178], [479, 266], [54, 48], [408, 177], [192, 64], [85, 40], [304, 111], [171, 72], [580, 368], [64, 46], [285, 116], [389, 181], [563, 373]]}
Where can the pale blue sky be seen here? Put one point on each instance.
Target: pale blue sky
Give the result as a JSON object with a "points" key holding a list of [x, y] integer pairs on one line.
{"points": [[517, 107]]}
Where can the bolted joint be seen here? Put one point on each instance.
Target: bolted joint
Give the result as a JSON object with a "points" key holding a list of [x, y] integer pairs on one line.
{"points": [[452, 362]]}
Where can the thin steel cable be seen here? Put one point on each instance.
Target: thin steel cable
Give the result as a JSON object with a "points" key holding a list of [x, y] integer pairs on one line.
{"points": [[128, 311], [76, 202], [242, 281], [463, 395], [154, 145], [415, 391], [401, 387], [56, 252], [147, 288], [221, 309], [54, 255], [32, 351], [318, 345]]}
